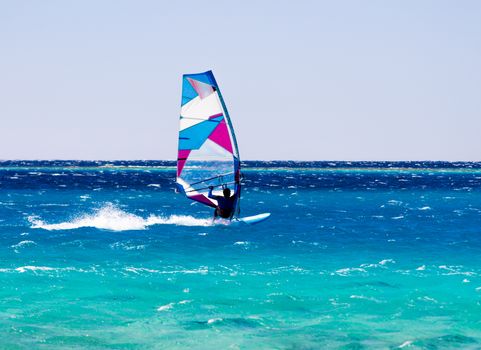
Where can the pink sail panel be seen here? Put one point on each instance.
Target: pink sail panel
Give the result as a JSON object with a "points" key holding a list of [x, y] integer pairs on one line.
{"points": [[220, 135], [182, 157], [202, 89], [203, 199]]}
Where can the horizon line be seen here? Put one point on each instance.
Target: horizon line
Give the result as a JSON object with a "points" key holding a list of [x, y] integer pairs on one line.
{"points": [[244, 160]]}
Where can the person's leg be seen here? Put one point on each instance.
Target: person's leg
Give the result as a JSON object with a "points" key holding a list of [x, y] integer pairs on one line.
{"points": [[225, 215]]}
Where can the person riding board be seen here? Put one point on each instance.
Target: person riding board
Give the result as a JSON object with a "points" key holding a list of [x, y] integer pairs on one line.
{"points": [[225, 203]]}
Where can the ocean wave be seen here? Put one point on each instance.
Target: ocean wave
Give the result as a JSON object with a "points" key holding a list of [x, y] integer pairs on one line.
{"points": [[427, 299], [236, 322], [214, 320], [363, 297], [349, 270], [166, 307], [455, 270], [425, 208], [110, 217], [406, 343], [381, 263], [139, 270], [35, 269], [169, 306], [22, 244], [127, 246]]}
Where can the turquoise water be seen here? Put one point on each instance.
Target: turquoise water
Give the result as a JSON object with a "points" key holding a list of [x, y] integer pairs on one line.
{"points": [[355, 256]]}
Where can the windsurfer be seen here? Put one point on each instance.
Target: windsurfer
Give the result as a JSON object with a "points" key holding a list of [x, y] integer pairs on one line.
{"points": [[225, 203]]}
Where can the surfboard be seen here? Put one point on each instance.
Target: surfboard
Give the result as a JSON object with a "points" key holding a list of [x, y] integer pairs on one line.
{"points": [[208, 155], [252, 220], [247, 220]]}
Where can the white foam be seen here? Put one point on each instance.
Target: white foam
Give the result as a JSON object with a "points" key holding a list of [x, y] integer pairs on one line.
{"points": [[425, 208], [455, 270], [381, 263], [169, 306], [22, 269], [214, 320], [22, 244], [406, 343], [35, 269], [166, 307], [180, 220], [385, 261], [348, 270], [138, 270], [428, 299], [127, 246], [110, 217]]}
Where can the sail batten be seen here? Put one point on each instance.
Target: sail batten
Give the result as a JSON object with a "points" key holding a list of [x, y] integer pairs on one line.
{"points": [[208, 154]]}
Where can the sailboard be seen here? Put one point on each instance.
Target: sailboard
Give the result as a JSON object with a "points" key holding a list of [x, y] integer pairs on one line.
{"points": [[208, 154]]}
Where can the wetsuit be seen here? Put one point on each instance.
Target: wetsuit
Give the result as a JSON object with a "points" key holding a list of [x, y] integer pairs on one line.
{"points": [[225, 206]]}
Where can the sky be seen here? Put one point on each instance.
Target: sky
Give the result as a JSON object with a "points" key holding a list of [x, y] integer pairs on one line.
{"points": [[303, 80]]}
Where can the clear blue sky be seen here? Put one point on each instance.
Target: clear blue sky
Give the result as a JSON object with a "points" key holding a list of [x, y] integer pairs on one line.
{"points": [[323, 80]]}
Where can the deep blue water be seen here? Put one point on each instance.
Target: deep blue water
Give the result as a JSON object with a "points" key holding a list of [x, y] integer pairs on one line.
{"points": [[356, 255]]}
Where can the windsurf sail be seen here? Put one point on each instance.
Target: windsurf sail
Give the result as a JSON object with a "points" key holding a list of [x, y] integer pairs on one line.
{"points": [[208, 153]]}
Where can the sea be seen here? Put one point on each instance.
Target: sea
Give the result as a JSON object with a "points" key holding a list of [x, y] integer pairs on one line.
{"points": [[356, 255]]}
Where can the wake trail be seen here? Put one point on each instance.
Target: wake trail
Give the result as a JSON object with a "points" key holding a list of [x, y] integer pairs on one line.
{"points": [[110, 217]]}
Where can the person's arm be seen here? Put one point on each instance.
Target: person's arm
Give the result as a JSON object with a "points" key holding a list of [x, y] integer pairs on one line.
{"points": [[210, 193]]}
